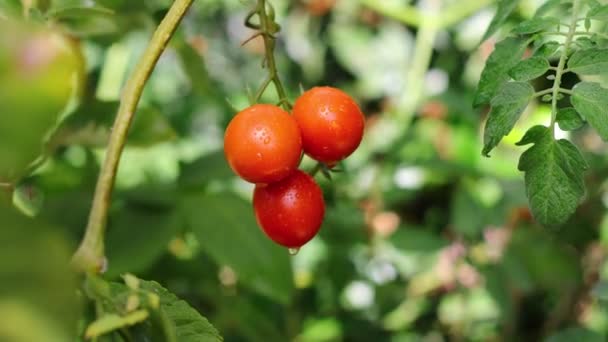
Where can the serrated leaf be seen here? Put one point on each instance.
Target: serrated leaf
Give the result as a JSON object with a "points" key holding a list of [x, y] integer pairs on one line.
{"points": [[553, 176], [568, 119], [535, 25], [598, 13], [223, 220], [507, 106], [529, 69], [591, 101], [506, 54], [185, 323], [591, 61], [111, 322], [505, 7], [547, 49]]}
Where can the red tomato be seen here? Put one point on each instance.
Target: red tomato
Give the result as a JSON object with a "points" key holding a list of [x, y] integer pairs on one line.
{"points": [[291, 211], [263, 144], [331, 124]]}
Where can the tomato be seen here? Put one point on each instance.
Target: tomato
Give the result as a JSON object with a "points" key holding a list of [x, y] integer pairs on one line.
{"points": [[263, 144], [331, 124], [291, 211], [41, 70]]}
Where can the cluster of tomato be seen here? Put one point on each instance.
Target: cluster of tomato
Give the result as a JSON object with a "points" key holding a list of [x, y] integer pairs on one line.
{"points": [[263, 145]]}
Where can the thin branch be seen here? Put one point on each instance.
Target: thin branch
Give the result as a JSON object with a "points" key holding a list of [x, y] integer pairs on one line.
{"points": [[90, 254]]}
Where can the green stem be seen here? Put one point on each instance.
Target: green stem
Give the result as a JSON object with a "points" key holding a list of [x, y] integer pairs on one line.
{"points": [[313, 172], [543, 92], [562, 63], [266, 26], [423, 51], [412, 16], [90, 255]]}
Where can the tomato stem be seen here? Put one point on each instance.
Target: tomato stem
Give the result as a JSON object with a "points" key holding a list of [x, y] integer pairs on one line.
{"points": [[268, 27], [561, 66], [90, 254]]}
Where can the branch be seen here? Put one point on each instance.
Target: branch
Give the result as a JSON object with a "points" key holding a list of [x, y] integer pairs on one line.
{"points": [[90, 254]]}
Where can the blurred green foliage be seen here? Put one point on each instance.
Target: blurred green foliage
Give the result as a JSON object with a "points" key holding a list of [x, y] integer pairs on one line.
{"points": [[424, 239]]}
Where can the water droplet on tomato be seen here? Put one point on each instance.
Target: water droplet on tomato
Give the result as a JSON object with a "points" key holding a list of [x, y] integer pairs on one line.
{"points": [[293, 251]]}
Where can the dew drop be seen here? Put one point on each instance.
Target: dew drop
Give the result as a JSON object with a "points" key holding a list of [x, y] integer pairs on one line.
{"points": [[293, 251]]}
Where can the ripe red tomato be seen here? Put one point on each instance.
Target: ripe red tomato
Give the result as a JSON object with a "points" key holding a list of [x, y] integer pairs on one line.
{"points": [[263, 144], [291, 211], [331, 123]]}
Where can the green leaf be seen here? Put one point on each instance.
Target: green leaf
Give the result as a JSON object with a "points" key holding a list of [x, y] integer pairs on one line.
{"points": [[576, 334], [547, 7], [591, 101], [506, 55], [226, 229], [135, 230], [507, 106], [568, 119], [533, 135], [212, 166], [589, 61], [598, 13], [505, 7], [185, 323], [535, 25], [111, 322], [529, 69], [547, 49], [553, 175]]}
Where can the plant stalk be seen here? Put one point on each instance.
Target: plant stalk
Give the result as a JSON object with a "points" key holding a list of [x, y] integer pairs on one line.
{"points": [[562, 63], [90, 256]]}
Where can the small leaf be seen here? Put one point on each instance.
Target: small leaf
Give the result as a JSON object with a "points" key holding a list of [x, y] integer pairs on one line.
{"points": [[554, 177], [529, 69], [587, 24], [568, 119], [533, 135], [547, 49], [591, 61], [507, 106], [591, 101], [546, 98], [505, 7], [535, 25], [506, 54], [111, 322], [598, 13]]}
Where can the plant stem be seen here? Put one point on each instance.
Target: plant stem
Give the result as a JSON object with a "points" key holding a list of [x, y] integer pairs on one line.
{"points": [[562, 63], [412, 16], [90, 255], [266, 26]]}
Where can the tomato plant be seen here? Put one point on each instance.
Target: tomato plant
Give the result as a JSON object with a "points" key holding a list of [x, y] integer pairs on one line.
{"points": [[313, 170]]}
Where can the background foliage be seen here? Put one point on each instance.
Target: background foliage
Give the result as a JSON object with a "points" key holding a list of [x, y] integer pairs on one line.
{"points": [[424, 238]]}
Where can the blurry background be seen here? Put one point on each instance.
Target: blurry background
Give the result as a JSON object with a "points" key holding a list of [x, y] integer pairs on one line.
{"points": [[424, 239]]}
